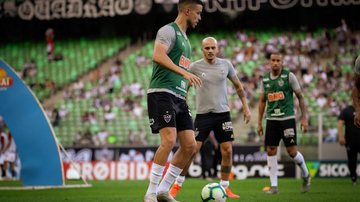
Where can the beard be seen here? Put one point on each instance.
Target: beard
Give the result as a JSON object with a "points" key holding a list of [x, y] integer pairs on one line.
{"points": [[189, 24]]}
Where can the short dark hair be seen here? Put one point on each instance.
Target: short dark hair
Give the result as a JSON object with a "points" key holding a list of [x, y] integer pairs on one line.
{"points": [[184, 2]]}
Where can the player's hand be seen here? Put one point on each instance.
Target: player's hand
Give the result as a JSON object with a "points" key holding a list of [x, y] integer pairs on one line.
{"points": [[342, 141], [357, 120], [193, 79], [247, 116], [304, 125], [260, 130]]}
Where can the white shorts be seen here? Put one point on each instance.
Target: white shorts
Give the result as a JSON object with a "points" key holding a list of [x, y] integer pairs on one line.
{"points": [[1, 159], [9, 156]]}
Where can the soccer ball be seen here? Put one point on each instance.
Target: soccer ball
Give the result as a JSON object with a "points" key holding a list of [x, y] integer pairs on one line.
{"points": [[357, 66], [213, 192]]}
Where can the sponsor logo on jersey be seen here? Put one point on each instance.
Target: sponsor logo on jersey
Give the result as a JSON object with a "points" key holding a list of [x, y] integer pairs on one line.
{"points": [[276, 96], [227, 126], [183, 84], [184, 62], [289, 133], [5, 81]]}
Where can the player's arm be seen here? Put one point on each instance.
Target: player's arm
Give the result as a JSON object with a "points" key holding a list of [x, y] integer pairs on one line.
{"points": [[261, 110], [241, 93], [213, 140], [356, 104], [341, 132], [160, 56], [297, 90]]}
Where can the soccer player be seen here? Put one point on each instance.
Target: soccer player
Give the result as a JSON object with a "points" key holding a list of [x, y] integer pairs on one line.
{"points": [[351, 139], [213, 112], [8, 153], [277, 90], [356, 92], [168, 111]]}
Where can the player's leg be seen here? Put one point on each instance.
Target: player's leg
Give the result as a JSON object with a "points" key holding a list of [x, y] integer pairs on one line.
{"points": [[181, 158], [202, 129], [224, 134], [168, 139], [185, 152], [352, 162], [226, 164], [11, 162], [3, 171], [160, 105], [289, 138], [272, 138], [175, 189]]}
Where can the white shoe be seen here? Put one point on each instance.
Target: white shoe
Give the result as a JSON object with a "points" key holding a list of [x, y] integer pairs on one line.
{"points": [[150, 198], [306, 184], [165, 197]]}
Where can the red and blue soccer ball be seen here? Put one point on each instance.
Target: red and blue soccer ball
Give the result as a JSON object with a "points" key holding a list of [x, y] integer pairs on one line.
{"points": [[213, 192]]}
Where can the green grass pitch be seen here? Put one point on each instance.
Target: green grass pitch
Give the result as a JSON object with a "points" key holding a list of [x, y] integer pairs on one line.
{"points": [[329, 190]]}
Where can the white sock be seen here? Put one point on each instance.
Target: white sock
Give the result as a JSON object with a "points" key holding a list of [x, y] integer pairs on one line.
{"points": [[155, 177], [272, 164], [171, 174], [299, 159], [224, 183], [180, 180]]}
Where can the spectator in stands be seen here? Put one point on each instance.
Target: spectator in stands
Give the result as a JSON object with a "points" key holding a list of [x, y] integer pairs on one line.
{"points": [[100, 139], [50, 44], [85, 139], [109, 114], [55, 116], [89, 116], [342, 33], [29, 69]]}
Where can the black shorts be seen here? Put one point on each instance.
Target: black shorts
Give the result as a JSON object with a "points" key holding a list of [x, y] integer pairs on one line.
{"points": [[219, 123], [167, 110], [277, 130]]}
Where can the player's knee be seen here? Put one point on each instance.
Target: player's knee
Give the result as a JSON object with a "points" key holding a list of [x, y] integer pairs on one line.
{"points": [[292, 151], [226, 152], [190, 148], [271, 151], [168, 144]]}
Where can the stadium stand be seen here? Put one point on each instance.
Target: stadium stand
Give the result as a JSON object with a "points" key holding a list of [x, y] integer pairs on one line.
{"points": [[79, 57]]}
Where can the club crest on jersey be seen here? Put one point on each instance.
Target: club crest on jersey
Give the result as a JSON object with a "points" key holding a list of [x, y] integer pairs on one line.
{"points": [[167, 118], [196, 132], [184, 62], [281, 82]]}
